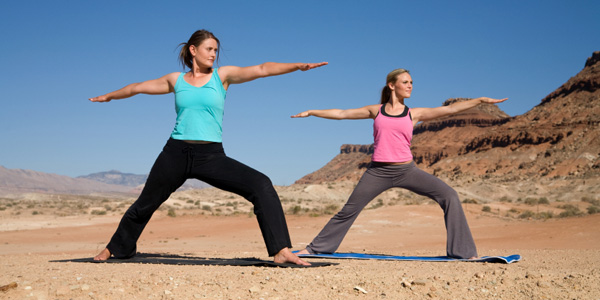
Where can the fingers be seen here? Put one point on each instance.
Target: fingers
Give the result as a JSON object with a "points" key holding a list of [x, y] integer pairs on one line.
{"points": [[498, 100], [99, 99], [493, 101], [307, 67], [300, 115]]}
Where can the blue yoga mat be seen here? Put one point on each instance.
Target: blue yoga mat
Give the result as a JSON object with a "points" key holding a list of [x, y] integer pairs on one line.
{"points": [[491, 259]]}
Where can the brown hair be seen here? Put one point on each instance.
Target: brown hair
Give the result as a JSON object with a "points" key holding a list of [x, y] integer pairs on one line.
{"points": [[185, 57], [386, 92]]}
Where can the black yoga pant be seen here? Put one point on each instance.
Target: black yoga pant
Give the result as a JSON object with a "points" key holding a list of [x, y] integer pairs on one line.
{"points": [[207, 162]]}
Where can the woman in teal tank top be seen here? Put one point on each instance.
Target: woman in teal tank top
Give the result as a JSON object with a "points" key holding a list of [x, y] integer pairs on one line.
{"points": [[194, 149]]}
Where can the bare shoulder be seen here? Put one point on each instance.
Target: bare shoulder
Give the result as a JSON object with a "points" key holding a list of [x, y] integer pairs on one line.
{"points": [[373, 109], [171, 78], [419, 110], [417, 113], [224, 71]]}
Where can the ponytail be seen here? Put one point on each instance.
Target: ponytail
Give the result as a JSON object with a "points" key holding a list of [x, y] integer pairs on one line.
{"points": [[386, 92]]}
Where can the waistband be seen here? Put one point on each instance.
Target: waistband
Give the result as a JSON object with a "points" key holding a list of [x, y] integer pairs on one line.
{"points": [[198, 148], [375, 165]]}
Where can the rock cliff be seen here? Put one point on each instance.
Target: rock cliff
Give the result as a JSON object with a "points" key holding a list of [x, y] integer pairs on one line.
{"points": [[559, 138]]}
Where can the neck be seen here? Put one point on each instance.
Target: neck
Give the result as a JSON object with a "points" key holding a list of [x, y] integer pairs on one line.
{"points": [[197, 70], [394, 101]]}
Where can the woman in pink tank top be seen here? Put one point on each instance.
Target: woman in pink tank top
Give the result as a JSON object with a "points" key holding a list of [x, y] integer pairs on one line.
{"points": [[392, 165]]}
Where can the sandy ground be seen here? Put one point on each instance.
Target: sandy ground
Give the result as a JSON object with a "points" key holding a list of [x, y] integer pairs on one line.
{"points": [[560, 258]]}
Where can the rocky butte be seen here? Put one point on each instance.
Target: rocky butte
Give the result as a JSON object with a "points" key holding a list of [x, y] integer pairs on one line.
{"points": [[559, 139]]}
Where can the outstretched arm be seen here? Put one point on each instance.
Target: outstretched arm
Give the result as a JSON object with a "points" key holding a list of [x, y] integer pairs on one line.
{"points": [[426, 114], [233, 75], [367, 112], [157, 86]]}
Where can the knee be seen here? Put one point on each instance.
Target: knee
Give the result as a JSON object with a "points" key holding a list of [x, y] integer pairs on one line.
{"points": [[449, 197], [261, 186], [348, 212]]}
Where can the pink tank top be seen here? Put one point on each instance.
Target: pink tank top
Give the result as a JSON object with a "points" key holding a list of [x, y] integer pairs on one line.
{"points": [[392, 135]]}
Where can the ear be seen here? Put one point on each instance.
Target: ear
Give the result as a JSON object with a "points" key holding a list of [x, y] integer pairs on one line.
{"points": [[193, 50], [391, 86]]}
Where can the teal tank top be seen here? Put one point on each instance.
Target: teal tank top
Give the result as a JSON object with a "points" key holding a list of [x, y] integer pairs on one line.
{"points": [[199, 110]]}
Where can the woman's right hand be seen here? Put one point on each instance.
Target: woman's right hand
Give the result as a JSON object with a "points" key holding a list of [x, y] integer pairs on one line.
{"points": [[102, 98], [303, 114]]}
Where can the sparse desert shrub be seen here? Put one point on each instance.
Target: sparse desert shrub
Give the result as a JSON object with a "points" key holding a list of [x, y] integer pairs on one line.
{"points": [[189, 201], [543, 200], [330, 209], [171, 213], [98, 212], [35, 212], [486, 209], [526, 214], [593, 209], [530, 201], [505, 199], [591, 201], [570, 211], [468, 200], [545, 215], [377, 205], [206, 208], [296, 209]]}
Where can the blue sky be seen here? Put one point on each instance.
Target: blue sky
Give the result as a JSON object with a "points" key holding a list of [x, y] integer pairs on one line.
{"points": [[54, 55]]}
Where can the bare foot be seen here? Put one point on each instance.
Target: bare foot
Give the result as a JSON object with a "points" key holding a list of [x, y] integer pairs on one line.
{"points": [[286, 256], [103, 255], [303, 251]]}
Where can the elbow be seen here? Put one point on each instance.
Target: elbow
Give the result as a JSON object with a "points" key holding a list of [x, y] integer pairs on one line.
{"points": [[264, 70]]}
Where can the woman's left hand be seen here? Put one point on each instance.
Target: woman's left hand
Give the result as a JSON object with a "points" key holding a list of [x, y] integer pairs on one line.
{"points": [[303, 114], [306, 67], [491, 100]]}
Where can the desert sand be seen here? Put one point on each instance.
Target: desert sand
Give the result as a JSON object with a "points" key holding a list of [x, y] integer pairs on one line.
{"points": [[560, 258]]}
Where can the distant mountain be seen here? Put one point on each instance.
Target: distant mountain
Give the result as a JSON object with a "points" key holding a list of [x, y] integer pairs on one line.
{"points": [[559, 138], [16, 181], [136, 180], [21, 181], [116, 177]]}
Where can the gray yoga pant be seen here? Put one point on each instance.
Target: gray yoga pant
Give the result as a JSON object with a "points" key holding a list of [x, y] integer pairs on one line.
{"points": [[379, 178]]}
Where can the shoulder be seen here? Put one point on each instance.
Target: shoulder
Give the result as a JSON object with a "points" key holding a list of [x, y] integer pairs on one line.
{"points": [[420, 113], [224, 71], [417, 110], [373, 110], [373, 107], [172, 77]]}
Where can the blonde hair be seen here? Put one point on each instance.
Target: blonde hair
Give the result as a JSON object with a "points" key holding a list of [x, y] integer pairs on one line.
{"points": [[386, 92]]}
